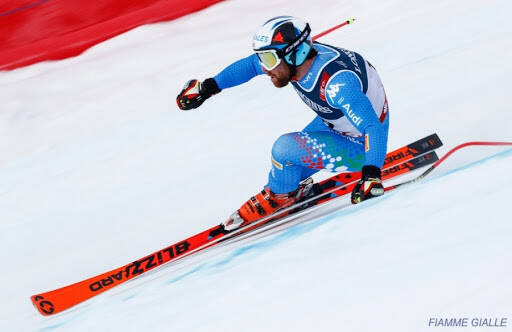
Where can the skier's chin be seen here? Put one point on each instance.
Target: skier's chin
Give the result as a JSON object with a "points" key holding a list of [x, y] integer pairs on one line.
{"points": [[280, 83]]}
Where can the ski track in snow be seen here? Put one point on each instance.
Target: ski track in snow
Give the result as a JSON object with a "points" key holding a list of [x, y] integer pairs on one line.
{"points": [[98, 168]]}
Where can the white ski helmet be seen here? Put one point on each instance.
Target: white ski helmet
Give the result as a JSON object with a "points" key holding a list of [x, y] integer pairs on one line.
{"points": [[283, 37]]}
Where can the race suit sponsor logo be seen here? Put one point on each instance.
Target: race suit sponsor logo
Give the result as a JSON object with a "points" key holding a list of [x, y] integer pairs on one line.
{"points": [[314, 106], [334, 89], [356, 119], [341, 63], [353, 59], [307, 78], [323, 83]]}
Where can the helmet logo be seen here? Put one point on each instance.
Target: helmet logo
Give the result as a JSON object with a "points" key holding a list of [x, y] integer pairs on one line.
{"points": [[261, 38], [278, 37]]}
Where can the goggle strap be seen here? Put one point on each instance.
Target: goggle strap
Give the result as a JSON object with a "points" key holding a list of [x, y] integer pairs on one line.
{"points": [[300, 39]]}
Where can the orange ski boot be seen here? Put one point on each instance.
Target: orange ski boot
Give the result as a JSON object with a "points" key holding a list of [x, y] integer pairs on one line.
{"points": [[264, 204]]}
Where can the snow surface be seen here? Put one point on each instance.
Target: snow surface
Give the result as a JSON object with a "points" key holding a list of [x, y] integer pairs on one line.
{"points": [[98, 168]]}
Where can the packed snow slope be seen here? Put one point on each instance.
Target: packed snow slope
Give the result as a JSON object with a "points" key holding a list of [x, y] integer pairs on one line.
{"points": [[98, 168]]}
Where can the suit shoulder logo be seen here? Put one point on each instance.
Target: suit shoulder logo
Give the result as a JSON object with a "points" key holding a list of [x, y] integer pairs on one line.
{"points": [[333, 89]]}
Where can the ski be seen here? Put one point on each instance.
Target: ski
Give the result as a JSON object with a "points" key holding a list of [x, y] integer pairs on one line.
{"points": [[400, 161], [277, 223], [394, 163], [330, 190], [403, 160], [410, 157]]}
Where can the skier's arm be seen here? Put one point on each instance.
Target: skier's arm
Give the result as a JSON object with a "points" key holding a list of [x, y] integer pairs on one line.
{"points": [[195, 93], [344, 91], [239, 72]]}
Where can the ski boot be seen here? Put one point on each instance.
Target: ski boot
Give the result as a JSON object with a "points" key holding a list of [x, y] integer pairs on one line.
{"points": [[264, 204]]}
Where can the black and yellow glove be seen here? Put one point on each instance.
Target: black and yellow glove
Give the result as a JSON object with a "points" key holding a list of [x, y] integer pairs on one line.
{"points": [[369, 186], [194, 93]]}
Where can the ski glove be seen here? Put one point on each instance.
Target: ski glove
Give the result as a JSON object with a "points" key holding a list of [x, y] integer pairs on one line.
{"points": [[369, 186], [194, 93]]}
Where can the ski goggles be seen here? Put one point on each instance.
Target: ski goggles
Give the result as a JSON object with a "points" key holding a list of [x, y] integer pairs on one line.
{"points": [[269, 59]]}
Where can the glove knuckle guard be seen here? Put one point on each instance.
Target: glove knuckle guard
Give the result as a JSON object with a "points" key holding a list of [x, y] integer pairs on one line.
{"points": [[369, 186], [194, 93]]}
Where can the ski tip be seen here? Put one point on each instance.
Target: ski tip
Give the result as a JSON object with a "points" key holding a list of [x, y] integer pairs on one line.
{"points": [[44, 306]]}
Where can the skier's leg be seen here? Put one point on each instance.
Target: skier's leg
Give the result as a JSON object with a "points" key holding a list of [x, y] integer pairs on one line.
{"points": [[317, 124], [313, 151], [296, 156]]}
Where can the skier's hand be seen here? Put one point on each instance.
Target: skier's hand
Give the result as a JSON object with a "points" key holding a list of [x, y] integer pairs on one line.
{"points": [[369, 186], [194, 93]]}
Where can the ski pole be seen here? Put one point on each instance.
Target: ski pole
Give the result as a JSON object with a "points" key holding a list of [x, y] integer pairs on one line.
{"points": [[321, 34], [437, 163]]}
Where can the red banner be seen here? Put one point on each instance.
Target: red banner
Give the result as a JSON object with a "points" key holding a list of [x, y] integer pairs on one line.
{"points": [[37, 30]]}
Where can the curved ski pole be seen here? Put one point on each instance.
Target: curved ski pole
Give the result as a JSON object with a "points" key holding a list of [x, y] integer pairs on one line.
{"points": [[448, 154]]}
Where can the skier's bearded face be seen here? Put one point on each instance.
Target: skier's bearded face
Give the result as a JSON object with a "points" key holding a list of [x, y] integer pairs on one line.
{"points": [[280, 76]]}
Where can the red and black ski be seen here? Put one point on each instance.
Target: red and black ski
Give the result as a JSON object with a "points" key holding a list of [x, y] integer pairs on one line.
{"points": [[403, 160], [400, 161]]}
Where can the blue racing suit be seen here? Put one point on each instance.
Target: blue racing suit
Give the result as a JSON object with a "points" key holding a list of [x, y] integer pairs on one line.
{"points": [[351, 126]]}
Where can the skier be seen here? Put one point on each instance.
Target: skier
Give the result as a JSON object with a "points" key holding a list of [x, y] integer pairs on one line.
{"points": [[350, 130]]}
